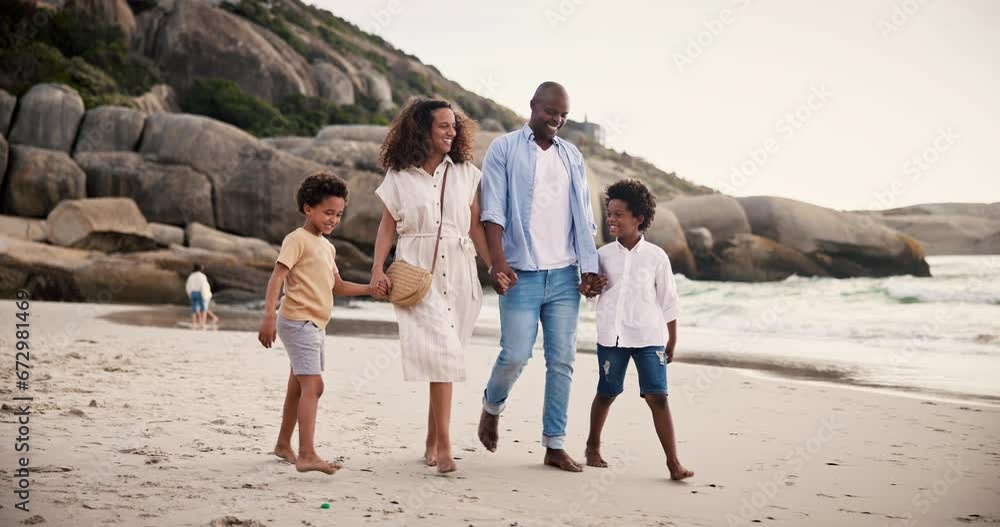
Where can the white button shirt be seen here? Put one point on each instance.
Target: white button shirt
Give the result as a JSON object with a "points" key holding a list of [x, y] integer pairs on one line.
{"points": [[640, 298]]}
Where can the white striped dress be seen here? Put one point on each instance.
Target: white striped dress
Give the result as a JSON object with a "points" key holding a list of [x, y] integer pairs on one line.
{"points": [[434, 333]]}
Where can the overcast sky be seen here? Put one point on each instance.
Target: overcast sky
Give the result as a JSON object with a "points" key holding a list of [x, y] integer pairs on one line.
{"points": [[848, 104]]}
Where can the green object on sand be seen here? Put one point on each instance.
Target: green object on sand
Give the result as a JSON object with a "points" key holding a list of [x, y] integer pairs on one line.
{"points": [[325, 506]]}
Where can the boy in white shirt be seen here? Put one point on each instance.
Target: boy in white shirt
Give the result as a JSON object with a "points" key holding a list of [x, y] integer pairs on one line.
{"points": [[636, 318]]}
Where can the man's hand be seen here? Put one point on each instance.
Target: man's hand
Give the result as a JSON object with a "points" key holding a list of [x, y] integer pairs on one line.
{"points": [[268, 330], [671, 344], [592, 284], [502, 277]]}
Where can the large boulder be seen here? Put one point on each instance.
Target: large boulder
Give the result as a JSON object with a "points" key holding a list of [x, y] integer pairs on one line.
{"points": [[845, 244], [165, 193], [110, 128], [4, 155], [167, 235], [23, 228], [100, 224], [191, 38], [720, 214], [750, 258], [50, 272], [48, 116], [250, 251], [254, 184], [986, 210], [229, 275], [114, 12], [700, 241], [666, 232], [370, 133], [159, 99], [334, 84], [354, 264], [7, 104], [338, 153], [38, 179], [364, 209], [947, 233], [378, 88]]}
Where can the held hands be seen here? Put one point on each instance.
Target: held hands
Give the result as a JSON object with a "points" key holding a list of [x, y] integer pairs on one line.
{"points": [[380, 286], [592, 284], [502, 277], [268, 331]]}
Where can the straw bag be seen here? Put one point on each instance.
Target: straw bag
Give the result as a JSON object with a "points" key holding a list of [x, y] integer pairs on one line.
{"points": [[411, 283]]}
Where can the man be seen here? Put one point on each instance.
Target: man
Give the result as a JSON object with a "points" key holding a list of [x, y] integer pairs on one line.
{"points": [[540, 231]]}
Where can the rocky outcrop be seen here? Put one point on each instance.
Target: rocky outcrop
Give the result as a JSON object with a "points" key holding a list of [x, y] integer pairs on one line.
{"points": [[110, 128], [250, 251], [337, 153], [367, 133], [159, 99], [700, 242], [722, 215], [843, 243], [38, 179], [750, 258], [48, 116], [254, 184], [190, 39], [166, 235], [100, 224], [23, 228], [666, 232], [4, 155], [354, 264], [364, 209], [949, 234], [378, 88], [50, 272], [7, 104], [173, 194], [332, 83], [115, 12]]}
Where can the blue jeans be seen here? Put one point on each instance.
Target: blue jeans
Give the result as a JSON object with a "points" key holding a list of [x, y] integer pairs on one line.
{"points": [[650, 363], [197, 302], [552, 298]]}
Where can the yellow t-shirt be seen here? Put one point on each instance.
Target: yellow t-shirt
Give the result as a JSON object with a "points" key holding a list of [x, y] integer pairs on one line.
{"points": [[309, 283]]}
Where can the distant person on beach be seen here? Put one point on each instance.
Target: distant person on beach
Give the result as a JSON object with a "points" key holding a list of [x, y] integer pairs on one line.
{"points": [[431, 184], [307, 268], [636, 319], [540, 230], [199, 292]]}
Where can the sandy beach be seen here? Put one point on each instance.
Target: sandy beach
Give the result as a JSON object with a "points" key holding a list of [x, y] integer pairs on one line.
{"points": [[144, 425]]}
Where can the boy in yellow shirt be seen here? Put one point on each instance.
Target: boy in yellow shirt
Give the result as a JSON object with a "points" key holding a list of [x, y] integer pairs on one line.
{"points": [[307, 268]]}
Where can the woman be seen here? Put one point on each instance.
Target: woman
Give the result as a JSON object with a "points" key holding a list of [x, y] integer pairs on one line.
{"points": [[427, 143]]}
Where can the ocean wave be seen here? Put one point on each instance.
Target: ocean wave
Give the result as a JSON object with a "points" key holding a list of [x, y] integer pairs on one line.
{"points": [[913, 292]]}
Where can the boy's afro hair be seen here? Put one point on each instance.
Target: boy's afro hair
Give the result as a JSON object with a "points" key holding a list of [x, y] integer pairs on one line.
{"points": [[318, 187], [637, 198]]}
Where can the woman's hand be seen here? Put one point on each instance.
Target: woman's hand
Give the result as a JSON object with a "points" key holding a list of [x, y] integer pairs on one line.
{"points": [[380, 285]]}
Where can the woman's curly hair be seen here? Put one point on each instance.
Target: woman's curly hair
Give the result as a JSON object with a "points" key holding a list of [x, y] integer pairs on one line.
{"points": [[406, 143], [637, 198], [317, 187]]}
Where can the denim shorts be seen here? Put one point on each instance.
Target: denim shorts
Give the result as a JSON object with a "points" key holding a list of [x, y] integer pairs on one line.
{"points": [[650, 362], [197, 302]]}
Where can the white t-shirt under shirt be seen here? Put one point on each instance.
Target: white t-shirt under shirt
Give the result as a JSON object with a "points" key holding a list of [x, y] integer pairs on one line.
{"points": [[551, 218]]}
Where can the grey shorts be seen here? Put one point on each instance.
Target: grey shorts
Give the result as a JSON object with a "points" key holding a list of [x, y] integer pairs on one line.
{"points": [[303, 341]]}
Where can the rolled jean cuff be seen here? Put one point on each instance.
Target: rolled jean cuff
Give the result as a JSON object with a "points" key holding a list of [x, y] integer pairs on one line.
{"points": [[554, 442], [492, 409]]}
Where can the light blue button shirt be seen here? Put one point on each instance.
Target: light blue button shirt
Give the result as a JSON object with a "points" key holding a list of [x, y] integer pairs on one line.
{"points": [[508, 190]]}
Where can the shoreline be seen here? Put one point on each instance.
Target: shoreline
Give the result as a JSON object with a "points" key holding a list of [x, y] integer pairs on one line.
{"points": [[240, 319]]}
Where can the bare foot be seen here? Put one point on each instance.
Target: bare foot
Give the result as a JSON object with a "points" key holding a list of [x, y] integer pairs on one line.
{"points": [[285, 452], [678, 472], [316, 463], [430, 456], [488, 434], [594, 458], [446, 463], [557, 457]]}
